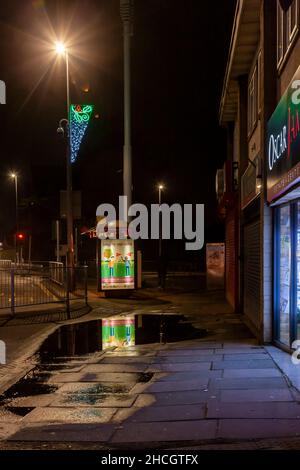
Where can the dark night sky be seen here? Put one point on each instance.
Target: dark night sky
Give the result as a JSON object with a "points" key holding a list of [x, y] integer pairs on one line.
{"points": [[179, 52]]}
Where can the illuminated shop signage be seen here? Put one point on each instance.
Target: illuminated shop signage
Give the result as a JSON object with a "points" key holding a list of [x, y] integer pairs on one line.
{"points": [[283, 142]]}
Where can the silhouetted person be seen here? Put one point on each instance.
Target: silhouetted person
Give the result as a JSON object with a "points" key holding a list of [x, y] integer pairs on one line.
{"points": [[162, 271]]}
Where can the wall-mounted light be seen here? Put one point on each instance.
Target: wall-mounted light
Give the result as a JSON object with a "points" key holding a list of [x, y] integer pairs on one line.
{"points": [[258, 174]]}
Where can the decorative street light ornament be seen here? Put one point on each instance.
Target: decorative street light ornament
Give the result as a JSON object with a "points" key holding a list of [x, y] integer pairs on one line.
{"points": [[80, 115]]}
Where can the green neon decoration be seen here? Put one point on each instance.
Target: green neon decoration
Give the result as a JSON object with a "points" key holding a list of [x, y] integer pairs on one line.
{"points": [[80, 115]]}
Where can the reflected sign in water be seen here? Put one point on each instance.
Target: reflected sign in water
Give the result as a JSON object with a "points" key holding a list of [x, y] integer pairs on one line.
{"points": [[118, 332]]}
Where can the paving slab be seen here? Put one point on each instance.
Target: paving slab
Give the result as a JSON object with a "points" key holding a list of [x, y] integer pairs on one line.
{"points": [[8, 429], [8, 417], [256, 395], [194, 346], [272, 372], [126, 353], [98, 401], [95, 388], [239, 350], [257, 428], [172, 386], [246, 357], [126, 360], [32, 401], [93, 377], [173, 398], [250, 364], [181, 352], [99, 368], [160, 413], [180, 367], [170, 376], [245, 410], [248, 383], [165, 431], [69, 415], [187, 359], [64, 433]]}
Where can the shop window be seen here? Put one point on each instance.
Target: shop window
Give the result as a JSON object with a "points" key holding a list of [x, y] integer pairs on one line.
{"points": [[287, 273], [252, 101], [284, 275], [287, 29]]}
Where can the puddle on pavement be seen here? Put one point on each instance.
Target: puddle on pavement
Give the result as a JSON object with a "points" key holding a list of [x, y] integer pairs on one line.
{"points": [[70, 346], [19, 410], [72, 343]]}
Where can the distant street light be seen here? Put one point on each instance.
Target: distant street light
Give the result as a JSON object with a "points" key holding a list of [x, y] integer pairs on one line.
{"points": [[161, 260], [62, 50], [14, 176]]}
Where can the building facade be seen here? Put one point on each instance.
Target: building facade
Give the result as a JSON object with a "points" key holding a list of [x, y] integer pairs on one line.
{"points": [[260, 108]]}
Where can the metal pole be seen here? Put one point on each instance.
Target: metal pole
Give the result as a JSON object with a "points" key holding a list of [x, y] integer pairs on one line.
{"points": [[17, 218], [160, 242], [70, 251], [57, 242], [126, 8], [97, 266], [17, 215], [86, 284], [76, 246], [68, 293], [12, 288], [29, 250]]}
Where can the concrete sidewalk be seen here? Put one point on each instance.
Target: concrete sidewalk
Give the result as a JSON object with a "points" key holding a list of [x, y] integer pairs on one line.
{"points": [[198, 393]]}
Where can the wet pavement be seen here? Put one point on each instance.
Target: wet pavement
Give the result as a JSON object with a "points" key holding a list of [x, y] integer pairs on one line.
{"points": [[208, 388], [155, 394]]}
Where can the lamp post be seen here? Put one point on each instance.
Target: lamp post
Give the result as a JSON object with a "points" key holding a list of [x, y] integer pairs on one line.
{"points": [[126, 10], [62, 50], [160, 189], [14, 176]]}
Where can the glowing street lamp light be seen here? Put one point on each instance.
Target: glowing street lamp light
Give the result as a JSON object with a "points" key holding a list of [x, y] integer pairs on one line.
{"points": [[160, 189], [60, 48]]}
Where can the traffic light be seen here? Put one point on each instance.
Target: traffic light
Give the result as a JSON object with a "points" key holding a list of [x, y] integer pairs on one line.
{"points": [[20, 237]]}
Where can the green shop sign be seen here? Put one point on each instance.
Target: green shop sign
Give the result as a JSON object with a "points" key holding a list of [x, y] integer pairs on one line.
{"points": [[283, 142]]}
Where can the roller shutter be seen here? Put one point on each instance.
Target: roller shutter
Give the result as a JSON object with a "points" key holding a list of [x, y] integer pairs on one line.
{"points": [[252, 272]]}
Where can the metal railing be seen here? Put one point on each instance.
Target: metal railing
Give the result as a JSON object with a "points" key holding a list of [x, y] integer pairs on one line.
{"points": [[37, 284]]}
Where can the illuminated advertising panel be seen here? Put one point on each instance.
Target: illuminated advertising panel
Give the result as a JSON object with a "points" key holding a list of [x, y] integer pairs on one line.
{"points": [[117, 264]]}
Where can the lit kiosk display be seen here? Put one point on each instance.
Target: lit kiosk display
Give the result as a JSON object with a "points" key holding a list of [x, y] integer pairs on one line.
{"points": [[117, 259], [117, 264], [283, 194]]}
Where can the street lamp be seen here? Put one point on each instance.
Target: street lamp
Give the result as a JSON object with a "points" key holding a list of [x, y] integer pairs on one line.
{"points": [[14, 176], [62, 50], [160, 189], [126, 11]]}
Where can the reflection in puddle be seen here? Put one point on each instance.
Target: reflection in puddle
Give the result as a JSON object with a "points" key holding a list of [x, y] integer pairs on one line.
{"points": [[68, 349], [118, 331]]}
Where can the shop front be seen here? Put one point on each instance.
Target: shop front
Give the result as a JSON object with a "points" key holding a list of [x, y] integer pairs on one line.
{"points": [[283, 194]]}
